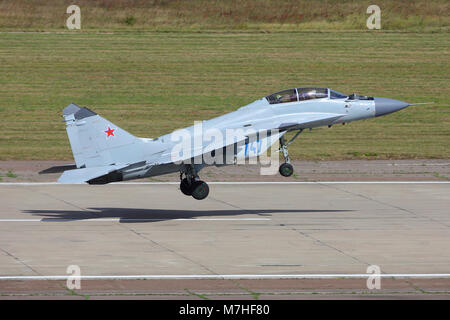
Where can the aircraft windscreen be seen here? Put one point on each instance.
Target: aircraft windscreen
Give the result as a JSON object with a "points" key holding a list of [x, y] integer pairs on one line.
{"points": [[337, 95], [284, 96], [312, 93]]}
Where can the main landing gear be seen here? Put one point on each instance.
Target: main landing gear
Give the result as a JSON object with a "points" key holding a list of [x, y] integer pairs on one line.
{"points": [[190, 185], [286, 169]]}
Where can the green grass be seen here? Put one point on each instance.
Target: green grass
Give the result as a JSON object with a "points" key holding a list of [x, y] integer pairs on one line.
{"points": [[243, 15], [152, 83], [11, 174]]}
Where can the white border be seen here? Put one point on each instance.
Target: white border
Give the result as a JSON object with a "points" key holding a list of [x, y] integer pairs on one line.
{"points": [[232, 276]]}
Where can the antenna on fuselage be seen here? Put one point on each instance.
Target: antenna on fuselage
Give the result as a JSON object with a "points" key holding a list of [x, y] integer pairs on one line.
{"points": [[419, 103]]}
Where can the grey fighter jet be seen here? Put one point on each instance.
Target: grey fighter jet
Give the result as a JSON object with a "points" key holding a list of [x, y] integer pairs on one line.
{"points": [[105, 153]]}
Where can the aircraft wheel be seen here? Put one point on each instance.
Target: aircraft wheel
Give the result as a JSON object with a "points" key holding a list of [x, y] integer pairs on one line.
{"points": [[200, 190], [286, 170], [185, 187]]}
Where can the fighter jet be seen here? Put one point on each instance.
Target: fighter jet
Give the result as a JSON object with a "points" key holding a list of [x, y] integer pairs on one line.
{"points": [[104, 152]]}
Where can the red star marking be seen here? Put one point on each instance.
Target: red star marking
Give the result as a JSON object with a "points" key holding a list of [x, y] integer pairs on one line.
{"points": [[110, 132]]}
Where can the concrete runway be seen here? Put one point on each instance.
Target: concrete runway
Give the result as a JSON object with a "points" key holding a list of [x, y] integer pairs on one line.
{"points": [[240, 229]]}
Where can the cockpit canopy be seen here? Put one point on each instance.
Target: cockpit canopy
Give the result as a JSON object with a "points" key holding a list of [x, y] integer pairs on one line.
{"points": [[303, 94]]}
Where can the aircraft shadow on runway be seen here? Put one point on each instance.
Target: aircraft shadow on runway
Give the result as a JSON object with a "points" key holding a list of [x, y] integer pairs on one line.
{"points": [[154, 215]]}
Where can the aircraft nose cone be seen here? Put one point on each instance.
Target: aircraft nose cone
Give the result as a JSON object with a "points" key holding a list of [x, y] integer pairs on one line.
{"points": [[385, 106]]}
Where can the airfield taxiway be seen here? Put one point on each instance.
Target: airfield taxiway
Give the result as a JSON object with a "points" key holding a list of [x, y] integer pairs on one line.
{"points": [[254, 230]]}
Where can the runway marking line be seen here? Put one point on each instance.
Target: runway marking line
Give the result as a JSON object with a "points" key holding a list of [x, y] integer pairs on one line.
{"points": [[231, 276], [232, 183]]}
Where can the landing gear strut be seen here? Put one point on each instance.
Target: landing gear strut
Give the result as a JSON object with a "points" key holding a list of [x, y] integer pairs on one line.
{"points": [[286, 169], [190, 185]]}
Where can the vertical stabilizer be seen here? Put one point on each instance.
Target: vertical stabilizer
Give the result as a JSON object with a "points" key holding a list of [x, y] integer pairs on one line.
{"points": [[96, 141]]}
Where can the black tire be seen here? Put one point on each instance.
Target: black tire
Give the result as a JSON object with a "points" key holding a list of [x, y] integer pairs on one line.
{"points": [[200, 190], [185, 187], [286, 170]]}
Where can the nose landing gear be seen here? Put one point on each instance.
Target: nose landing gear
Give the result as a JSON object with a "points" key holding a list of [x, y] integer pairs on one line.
{"points": [[191, 185], [286, 169]]}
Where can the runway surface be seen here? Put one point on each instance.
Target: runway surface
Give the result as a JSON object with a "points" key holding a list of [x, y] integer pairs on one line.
{"points": [[251, 230]]}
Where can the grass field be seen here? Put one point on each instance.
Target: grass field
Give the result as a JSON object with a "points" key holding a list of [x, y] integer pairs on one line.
{"points": [[220, 15], [152, 83]]}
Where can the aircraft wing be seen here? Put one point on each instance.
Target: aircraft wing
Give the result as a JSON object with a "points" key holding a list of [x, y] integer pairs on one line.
{"points": [[280, 123], [285, 122], [309, 120]]}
